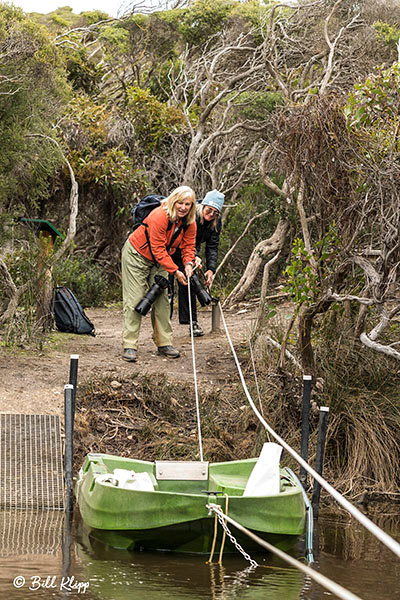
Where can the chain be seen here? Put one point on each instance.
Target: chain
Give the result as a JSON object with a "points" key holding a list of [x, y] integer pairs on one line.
{"points": [[220, 516]]}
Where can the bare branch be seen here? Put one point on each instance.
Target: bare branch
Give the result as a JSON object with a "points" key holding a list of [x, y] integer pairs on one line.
{"points": [[260, 253], [12, 291], [241, 236], [367, 341], [350, 297], [333, 45], [287, 353], [267, 181], [60, 39], [224, 132], [264, 287]]}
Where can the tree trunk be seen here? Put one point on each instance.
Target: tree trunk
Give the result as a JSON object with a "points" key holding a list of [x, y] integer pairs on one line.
{"points": [[45, 283], [264, 287], [258, 256], [12, 294], [306, 318]]}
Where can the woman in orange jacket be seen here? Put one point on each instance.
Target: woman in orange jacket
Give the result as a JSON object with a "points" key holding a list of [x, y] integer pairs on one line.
{"points": [[147, 254]]}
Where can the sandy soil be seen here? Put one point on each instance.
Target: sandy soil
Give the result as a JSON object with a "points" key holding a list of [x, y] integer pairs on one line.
{"points": [[33, 382]]}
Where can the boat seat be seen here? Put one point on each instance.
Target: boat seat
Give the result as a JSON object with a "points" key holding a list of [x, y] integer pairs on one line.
{"points": [[229, 484], [176, 470]]}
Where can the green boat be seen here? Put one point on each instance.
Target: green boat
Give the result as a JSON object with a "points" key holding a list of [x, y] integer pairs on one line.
{"points": [[141, 505]]}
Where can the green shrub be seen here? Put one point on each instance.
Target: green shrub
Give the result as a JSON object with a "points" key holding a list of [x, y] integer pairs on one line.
{"points": [[85, 278]]}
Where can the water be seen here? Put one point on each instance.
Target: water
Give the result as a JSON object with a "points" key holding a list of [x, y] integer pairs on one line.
{"points": [[48, 560]]}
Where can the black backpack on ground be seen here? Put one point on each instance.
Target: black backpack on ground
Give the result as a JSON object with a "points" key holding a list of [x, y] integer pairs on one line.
{"points": [[69, 314], [143, 208]]}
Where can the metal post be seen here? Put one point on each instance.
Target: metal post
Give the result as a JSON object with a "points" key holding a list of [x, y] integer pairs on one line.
{"points": [[305, 426], [69, 449], [215, 316], [73, 380], [67, 543], [319, 459]]}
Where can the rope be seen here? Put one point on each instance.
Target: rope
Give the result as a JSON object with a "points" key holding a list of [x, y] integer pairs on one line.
{"points": [[214, 539], [215, 535], [256, 379], [368, 524], [223, 531], [331, 586], [195, 373]]}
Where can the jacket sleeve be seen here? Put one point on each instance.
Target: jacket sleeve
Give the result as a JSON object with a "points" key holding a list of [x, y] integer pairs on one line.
{"points": [[188, 244], [212, 244]]}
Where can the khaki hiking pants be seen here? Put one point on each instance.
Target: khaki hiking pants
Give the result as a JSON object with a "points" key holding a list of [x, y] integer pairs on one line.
{"points": [[137, 277]]}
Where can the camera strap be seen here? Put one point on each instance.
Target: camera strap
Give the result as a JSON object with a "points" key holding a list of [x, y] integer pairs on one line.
{"points": [[148, 243], [176, 233]]}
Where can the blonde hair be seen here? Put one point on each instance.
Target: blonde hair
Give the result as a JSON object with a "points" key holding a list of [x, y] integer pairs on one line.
{"points": [[181, 193], [200, 215]]}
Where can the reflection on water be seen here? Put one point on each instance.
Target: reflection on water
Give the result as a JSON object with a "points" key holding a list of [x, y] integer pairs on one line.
{"points": [[353, 557], [165, 575], [30, 532], [36, 545], [29, 546]]}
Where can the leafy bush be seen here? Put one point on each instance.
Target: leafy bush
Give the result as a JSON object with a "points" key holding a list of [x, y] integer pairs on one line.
{"points": [[85, 279], [33, 90], [389, 34], [205, 19], [153, 119]]}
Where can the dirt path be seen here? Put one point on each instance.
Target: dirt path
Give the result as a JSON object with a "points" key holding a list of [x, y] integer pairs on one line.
{"points": [[34, 382]]}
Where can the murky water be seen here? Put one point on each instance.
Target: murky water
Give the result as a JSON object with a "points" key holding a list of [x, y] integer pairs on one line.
{"points": [[41, 558]]}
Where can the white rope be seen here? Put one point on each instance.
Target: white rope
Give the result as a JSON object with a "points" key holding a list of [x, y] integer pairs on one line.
{"points": [[327, 583], [256, 378], [368, 524], [195, 372]]}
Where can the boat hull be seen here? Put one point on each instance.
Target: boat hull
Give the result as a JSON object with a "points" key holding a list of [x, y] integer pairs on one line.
{"points": [[195, 537], [176, 516]]}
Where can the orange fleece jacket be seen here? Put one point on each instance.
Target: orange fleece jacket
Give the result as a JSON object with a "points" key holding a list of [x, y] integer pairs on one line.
{"points": [[157, 225]]}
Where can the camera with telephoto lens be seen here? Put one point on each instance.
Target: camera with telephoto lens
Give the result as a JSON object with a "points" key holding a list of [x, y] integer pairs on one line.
{"points": [[159, 285], [202, 295]]}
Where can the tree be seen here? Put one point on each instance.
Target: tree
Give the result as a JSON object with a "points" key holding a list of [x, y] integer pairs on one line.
{"points": [[319, 159], [32, 92], [348, 206], [33, 89]]}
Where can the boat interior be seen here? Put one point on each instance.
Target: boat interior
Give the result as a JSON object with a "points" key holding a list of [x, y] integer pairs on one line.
{"points": [[187, 477]]}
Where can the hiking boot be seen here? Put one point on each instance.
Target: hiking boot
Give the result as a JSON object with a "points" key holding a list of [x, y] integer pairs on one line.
{"points": [[130, 354], [168, 351], [197, 330]]}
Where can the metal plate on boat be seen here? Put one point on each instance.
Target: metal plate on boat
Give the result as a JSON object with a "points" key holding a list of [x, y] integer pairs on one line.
{"points": [[181, 470]]}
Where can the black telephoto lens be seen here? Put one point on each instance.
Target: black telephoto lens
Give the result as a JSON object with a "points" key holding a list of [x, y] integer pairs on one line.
{"points": [[159, 285], [202, 295]]}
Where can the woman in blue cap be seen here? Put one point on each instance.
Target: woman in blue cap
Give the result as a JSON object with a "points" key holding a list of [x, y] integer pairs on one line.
{"points": [[208, 221]]}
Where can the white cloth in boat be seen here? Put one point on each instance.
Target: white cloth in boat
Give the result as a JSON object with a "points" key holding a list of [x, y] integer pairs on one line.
{"points": [[264, 479], [128, 480]]}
